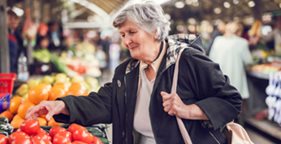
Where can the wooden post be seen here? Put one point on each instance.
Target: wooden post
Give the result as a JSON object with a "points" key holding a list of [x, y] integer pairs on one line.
{"points": [[4, 47]]}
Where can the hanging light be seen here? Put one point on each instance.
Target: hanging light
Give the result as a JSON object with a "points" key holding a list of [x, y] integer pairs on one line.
{"points": [[179, 4], [236, 2], [217, 10], [226, 4], [188, 2], [251, 4], [191, 21]]}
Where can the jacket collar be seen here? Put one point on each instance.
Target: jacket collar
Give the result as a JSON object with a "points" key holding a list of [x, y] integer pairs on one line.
{"points": [[175, 44]]}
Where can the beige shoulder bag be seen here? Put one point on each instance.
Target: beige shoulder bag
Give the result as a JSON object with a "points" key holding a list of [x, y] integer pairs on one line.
{"points": [[238, 134], [182, 128]]}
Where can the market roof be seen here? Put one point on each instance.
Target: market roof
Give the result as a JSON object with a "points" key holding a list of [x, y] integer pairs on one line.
{"points": [[88, 10], [223, 9], [109, 5]]}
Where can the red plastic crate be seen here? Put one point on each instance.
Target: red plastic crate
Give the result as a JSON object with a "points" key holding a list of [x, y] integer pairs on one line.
{"points": [[7, 82]]}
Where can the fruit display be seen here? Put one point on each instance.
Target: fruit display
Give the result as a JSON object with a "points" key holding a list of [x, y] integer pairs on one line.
{"points": [[14, 128], [42, 55], [48, 87], [30, 132], [265, 68], [77, 66]]}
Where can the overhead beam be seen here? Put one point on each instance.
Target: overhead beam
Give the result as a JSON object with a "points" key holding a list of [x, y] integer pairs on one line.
{"points": [[93, 7]]}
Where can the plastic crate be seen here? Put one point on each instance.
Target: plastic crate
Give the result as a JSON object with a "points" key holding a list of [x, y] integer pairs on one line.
{"points": [[7, 83], [6, 89]]}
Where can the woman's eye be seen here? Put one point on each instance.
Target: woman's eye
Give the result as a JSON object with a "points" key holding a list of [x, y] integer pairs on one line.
{"points": [[132, 32]]}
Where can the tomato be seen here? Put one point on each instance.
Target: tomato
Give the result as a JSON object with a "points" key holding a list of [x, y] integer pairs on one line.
{"points": [[62, 138], [19, 138], [43, 136], [42, 131], [36, 140], [97, 140], [75, 126], [30, 127], [39, 140], [82, 135], [56, 129], [78, 142], [4, 139]]}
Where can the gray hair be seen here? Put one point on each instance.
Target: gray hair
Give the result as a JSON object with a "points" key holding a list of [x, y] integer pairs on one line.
{"points": [[148, 16]]}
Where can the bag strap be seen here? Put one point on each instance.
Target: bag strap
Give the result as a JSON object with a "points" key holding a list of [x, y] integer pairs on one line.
{"points": [[181, 126]]}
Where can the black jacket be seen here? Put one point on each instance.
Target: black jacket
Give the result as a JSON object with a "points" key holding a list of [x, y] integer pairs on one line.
{"points": [[200, 82]]}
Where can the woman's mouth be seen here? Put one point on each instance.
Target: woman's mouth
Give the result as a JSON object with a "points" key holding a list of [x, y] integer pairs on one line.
{"points": [[132, 47]]}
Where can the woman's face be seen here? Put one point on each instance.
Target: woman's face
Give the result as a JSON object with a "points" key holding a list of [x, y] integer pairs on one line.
{"points": [[140, 43]]}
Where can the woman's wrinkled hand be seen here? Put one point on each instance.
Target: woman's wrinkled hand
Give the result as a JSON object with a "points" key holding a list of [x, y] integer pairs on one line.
{"points": [[173, 105], [48, 108]]}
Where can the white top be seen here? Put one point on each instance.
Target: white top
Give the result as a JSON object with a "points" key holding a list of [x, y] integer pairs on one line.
{"points": [[232, 54], [142, 123]]}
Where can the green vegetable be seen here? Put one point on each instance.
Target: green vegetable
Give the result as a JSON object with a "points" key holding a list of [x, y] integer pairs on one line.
{"points": [[5, 127], [4, 120]]}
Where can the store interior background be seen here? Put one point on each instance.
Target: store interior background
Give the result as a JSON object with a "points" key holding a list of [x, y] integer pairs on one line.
{"points": [[76, 38]]}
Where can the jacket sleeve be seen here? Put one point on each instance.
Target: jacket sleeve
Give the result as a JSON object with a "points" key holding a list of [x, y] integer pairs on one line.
{"points": [[220, 101], [88, 110]]}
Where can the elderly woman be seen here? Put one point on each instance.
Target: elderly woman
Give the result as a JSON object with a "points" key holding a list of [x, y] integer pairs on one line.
{"points": [[137, 101]]}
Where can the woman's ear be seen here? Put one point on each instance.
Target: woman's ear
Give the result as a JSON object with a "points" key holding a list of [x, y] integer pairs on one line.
{"points": [[157, 33]]}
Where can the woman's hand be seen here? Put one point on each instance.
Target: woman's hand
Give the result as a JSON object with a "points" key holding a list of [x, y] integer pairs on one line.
{"points": [[174, 106], [48, 108]]}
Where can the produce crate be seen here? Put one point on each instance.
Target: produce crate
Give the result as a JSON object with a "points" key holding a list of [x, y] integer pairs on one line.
{"points": [[6, 89], [96, 130], [7, 82]]}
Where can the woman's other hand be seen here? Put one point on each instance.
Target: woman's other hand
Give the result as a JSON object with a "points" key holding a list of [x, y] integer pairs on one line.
{"points": [[48, 108], [174, 106]]}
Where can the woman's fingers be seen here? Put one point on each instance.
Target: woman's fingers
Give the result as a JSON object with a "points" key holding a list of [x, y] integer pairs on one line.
{"points": [[167, 102], [171, 103], [33, 112], [165, 96], [43, 108]]}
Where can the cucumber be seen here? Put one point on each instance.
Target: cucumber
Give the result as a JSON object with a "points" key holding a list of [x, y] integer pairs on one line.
{"points": [[7, 128], [4, 133], [4, 120]]}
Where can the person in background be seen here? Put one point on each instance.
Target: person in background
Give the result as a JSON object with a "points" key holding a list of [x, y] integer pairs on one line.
{"points": [[138, 100], [104, 45], [232, 54], [275, 35], [55, 36], [219, 30], [13, 21]]}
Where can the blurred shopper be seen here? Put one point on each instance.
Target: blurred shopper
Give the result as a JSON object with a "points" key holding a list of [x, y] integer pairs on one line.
{"points": [[138, 102], [55, 36], [232, 53], [275, 35], [114, 55], [254, 33], [219, 30], [104, 44], [13, 21]]}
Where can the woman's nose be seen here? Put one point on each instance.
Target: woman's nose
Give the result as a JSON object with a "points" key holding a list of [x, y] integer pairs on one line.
{"points": [[127, 40]]}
